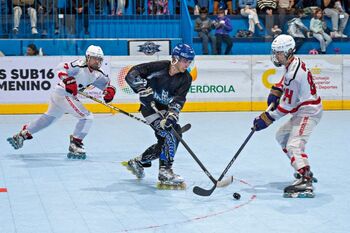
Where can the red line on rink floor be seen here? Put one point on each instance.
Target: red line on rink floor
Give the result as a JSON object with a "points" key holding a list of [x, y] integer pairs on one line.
{"points": [[3, 190]]}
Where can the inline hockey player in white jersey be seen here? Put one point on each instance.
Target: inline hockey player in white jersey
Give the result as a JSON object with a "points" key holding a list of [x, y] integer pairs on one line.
{"points": [[166, 84], [295, 94], [73, 76]]}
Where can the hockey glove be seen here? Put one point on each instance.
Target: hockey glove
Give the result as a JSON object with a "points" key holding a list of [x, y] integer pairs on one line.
{"points": [[108, 94], [169, 120], [263, 121], [146, 96], [71, 85], [274, 97]]}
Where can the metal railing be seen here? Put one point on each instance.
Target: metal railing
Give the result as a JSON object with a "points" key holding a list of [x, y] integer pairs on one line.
{"points": [[95, 19]]}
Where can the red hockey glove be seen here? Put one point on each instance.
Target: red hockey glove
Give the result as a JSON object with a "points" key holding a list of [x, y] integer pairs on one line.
{"points": [[71, 85], [108, 93]]}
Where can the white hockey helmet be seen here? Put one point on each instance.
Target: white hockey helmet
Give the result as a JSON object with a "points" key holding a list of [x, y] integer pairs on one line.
{"points": [[282, 43], [95, 52]]}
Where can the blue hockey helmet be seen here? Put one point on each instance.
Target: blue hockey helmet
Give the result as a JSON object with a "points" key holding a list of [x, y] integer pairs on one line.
{"points": [[183, 51]]}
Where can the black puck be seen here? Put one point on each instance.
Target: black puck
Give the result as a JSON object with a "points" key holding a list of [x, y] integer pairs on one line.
{"points": [[236, 196]]}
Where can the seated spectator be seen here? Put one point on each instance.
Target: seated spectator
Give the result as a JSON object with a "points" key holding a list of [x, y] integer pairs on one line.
{"points": [[284, 8], [203, 26], [25, 5], [317, 26], [49, 10], [200, 4], [248, 9], [223, 26], [267, 7], [227, 4], [334, 10], [32, 50], [297, 29]]}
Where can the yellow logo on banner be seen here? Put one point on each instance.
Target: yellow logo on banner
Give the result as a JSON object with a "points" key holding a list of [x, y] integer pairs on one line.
{"points": [[316, 70], [265, 77]]}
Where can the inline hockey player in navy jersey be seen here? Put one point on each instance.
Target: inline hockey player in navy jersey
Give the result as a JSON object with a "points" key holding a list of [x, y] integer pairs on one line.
{"points": [[164, 83], [73, 76], [295, 94]]}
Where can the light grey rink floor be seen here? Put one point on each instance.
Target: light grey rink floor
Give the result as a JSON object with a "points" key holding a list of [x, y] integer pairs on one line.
{"points": [[42, 191]]}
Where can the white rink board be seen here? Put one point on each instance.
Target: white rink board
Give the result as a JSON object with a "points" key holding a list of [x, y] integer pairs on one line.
{"points": [[326, 70], [346, 79], [31, 79], [219, 79]]}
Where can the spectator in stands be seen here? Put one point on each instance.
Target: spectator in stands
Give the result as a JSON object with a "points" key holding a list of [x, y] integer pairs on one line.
{"points": [[227, 4], [32, 50], [159, 7], [334, 10], [309, 6], [81, 9], [203, 26], [140, 7], [248, 9], [48, 12], [223, 27], [200, 4], [284, 8], [317, 26], [25, 5], [297, 29], [268, 7], [121, 7]]}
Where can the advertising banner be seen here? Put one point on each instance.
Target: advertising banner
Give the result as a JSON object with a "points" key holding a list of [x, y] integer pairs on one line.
{"points": [[31, 79], [149, 47], [326, 70]]}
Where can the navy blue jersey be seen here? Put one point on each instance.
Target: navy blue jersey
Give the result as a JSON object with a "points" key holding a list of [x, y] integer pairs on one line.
{"points": [[169, 91]]}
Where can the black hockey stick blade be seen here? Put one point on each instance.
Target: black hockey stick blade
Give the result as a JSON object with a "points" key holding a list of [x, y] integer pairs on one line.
{"points": [[203, 192], [186, 128]]}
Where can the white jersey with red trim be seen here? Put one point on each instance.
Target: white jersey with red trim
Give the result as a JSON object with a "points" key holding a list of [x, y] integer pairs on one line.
{"points": [[82, 74], [299, 92]]}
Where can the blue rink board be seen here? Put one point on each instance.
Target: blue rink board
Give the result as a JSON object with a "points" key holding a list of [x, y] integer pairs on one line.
{"points": [[46, 192]]}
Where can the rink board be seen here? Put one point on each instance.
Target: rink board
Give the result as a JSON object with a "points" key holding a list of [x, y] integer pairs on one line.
{"points": [[223, 83]]}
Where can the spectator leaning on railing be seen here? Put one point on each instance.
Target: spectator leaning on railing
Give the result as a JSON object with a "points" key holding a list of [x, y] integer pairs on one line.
{"points": [[25, 5]]}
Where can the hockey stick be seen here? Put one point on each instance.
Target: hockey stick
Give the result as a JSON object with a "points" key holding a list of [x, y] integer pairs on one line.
{"points": [[204, 192], [183, 128], [220, 183]]}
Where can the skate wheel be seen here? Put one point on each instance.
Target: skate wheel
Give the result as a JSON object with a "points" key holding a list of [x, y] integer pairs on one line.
{"points": [[83, 157], [162, 186], [299, 195], [69, 156], [124, 163]]}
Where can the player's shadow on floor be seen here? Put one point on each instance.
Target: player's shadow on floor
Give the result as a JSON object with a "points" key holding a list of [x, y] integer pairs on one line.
{"points": [[127, 185], [36, 160]]}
